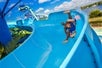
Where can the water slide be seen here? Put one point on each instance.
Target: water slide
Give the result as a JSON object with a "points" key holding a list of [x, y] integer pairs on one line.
{"points": [[45, 48]]}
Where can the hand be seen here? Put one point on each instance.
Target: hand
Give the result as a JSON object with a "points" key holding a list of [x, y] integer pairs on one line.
{"points": [[77, 17]]}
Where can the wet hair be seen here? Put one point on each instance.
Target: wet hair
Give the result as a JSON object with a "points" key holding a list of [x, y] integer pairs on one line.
{"points": [[68, 22]]}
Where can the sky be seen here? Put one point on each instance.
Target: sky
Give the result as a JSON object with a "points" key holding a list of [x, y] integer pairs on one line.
{"points": [[42, 6]]}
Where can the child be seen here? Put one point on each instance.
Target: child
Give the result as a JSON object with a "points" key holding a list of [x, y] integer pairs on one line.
{"points": [[69, 28]]}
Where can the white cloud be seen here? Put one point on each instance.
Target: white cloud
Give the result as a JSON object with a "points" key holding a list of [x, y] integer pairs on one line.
{"points": [[39, 10], [73, 4], [47, 11], [63, 6], [42, 11], [83, 2], [54, 1], [42, 1]]}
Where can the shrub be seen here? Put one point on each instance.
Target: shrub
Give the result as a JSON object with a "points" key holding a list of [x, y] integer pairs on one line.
{"points": [[95, 13], [17, 34]]}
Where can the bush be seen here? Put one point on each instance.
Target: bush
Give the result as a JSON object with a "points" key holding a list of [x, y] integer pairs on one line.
{"points": [[17, 34], [100, 14], [95, 13]]}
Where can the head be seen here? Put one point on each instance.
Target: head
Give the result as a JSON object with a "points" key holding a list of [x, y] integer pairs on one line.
{"points": [[67, 24]]}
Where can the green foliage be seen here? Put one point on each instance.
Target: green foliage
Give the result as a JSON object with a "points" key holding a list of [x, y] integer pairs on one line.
{"points": [[1, 50], [17, 34], [95, 13]]}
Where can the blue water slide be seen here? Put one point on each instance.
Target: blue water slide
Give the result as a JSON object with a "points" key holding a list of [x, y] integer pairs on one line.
{"points": [[45, 48]]}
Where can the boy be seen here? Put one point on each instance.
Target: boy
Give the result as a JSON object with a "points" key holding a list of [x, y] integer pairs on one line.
{"points": [[69, 27]]}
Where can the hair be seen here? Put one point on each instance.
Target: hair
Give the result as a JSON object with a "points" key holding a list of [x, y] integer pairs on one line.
{"points": [[68, 22]]}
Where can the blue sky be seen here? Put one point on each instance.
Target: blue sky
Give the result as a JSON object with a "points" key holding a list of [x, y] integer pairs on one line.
{"points": [[43, 6], [39, 6]]}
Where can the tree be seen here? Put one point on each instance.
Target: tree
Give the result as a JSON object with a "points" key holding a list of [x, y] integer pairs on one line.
{"points": [[95, 13]]}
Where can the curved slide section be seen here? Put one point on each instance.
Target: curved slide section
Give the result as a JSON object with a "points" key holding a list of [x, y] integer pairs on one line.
{"points": [[45, 47]]}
